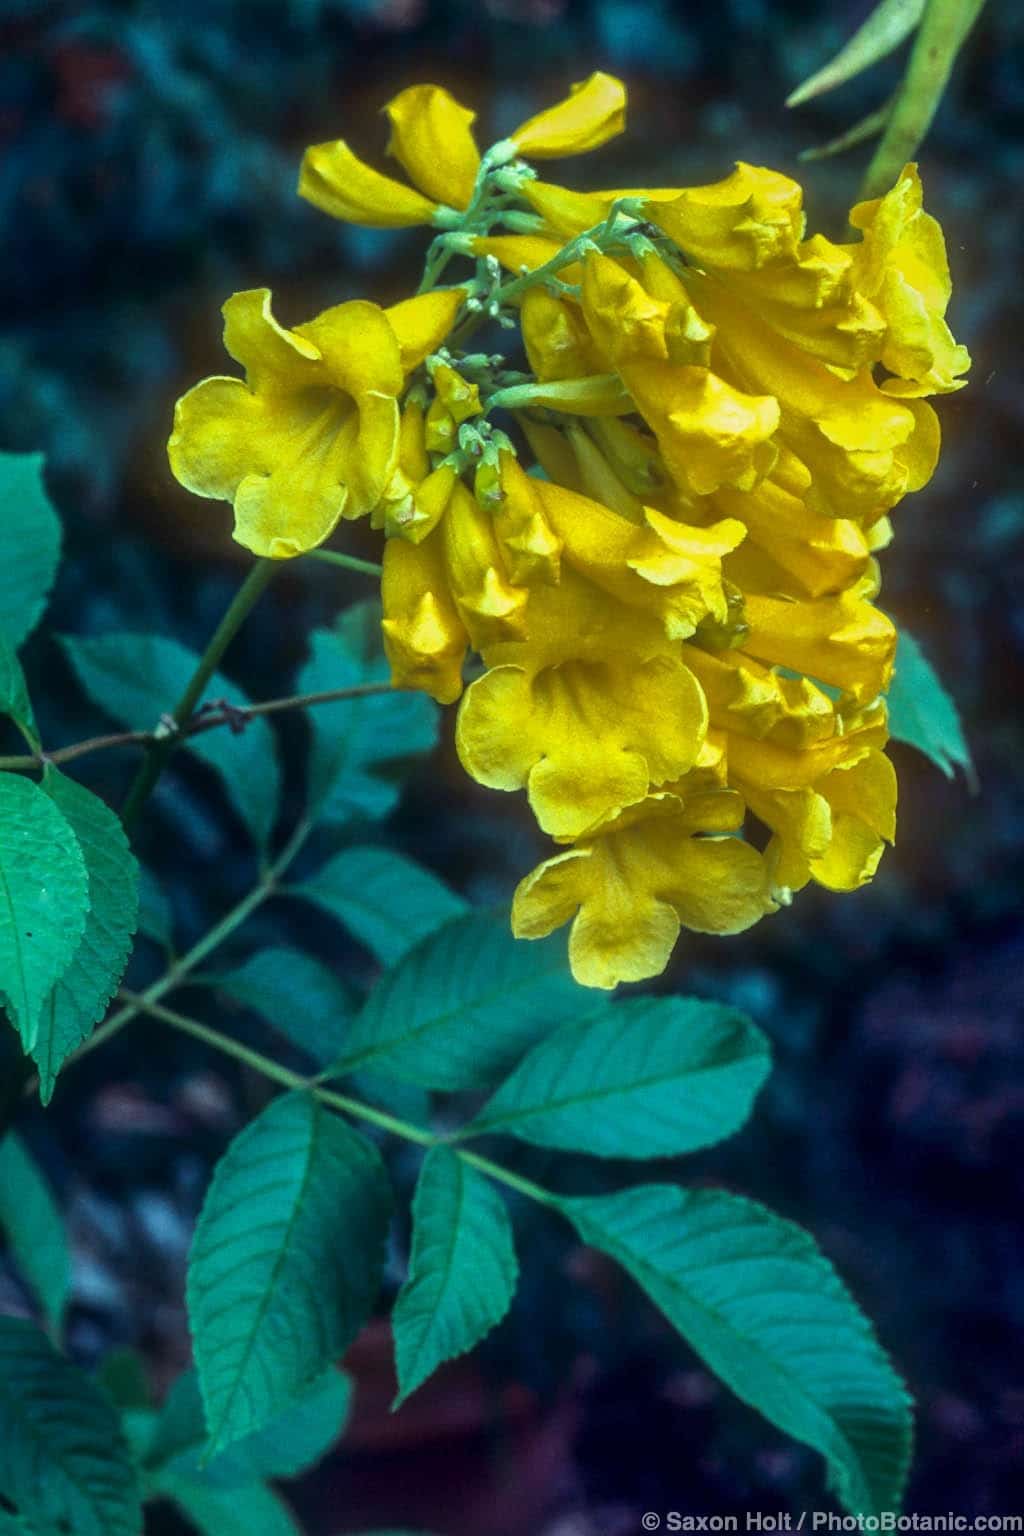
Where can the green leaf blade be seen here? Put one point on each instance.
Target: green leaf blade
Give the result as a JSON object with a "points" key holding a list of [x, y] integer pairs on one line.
{"points": [[14, 699], [463, 1271], [461, 1007], [312, 1008], [360, 746], [136, 678], [32, 547], [648, 1077], [285, 1263], [80, 998], [761, 1304], [292, 1442], [300, 996], [31, 1221], [63, 1457], [385, 900], [250, 1511], [889, 24], [44, 899], [922, 713]]}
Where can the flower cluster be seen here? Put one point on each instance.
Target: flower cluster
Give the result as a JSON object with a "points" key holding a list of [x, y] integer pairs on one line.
{"points": [[657, 526]]}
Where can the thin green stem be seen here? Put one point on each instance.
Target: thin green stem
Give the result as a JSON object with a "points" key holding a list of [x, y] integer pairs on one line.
{"points": [[273, 1070], [346, 562], [179, 971], [505, 1176], [246, 597], [942, 32], [278, 1074]]}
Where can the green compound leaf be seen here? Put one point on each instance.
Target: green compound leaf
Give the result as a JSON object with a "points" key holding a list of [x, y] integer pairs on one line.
{"points": [[137, 678], [64, 1463], [31, 545], [44, 899], [31, 1222], [385, 900], [460, 1009], [360, 747], [80, 998], [285, 1264], [921, 712], [764, 1308], [463, 1271], [312, 1008], [14, 699], [291, 1443], [650, 1077], [251, 1511]]}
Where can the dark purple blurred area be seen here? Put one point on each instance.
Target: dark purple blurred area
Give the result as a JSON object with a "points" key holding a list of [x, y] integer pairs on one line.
{"points": [[148, 159]]}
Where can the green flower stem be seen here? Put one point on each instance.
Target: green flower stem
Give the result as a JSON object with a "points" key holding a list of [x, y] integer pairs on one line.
{"points": [[605, 236], [346, 562], [245, 599], [942, 32], [179, 971], [267, 1067]]}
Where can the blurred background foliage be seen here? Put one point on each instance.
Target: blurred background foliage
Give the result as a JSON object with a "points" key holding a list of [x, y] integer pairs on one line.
{"points": [[148, 160]]}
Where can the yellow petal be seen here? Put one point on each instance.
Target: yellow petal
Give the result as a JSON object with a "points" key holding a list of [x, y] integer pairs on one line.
{"points": [[586, 739], [710, 433], [812, 555], [568, 213], [751, 699], [522, 253], [285, 462], [622, 317], [558, 345], [336, 180], [360, 350], [750, 219], [422, 323], [376, 452], [862, 796], [461, 398], [593, 113], [771, 766], [598, 478], [663, 567], [530, 545], [901, 264], [424, 639], [631, 889], [578, 621], [552, 451], [273, 358], [633, 455], [491, 608], [432, 139], [849, 434], [841, 640]]}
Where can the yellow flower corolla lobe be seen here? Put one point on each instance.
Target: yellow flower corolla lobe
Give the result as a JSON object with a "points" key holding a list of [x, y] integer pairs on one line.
{"points": [[311, 434], [664, 552], [592, 113]]}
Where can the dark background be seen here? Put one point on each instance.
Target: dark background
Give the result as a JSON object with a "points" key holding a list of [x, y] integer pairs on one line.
{"points": [[148, 157]]}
